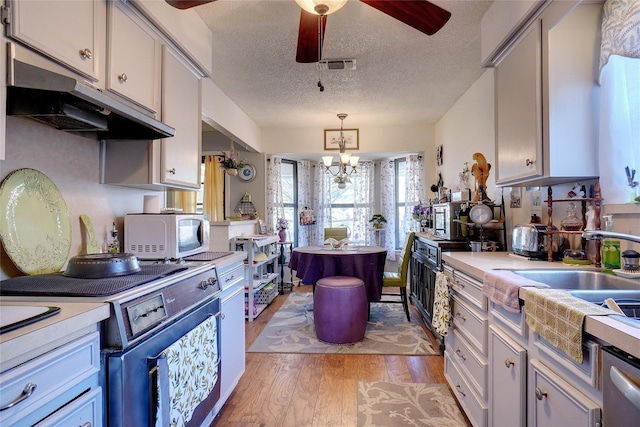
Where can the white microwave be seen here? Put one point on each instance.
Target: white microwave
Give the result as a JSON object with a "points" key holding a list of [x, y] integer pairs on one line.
{"points": [[159, 236]]}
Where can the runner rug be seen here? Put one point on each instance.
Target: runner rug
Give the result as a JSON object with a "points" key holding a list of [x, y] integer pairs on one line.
{"points": [[291, 330], [407, 404]]}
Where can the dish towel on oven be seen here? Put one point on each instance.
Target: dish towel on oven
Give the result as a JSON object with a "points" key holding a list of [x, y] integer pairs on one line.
{"points": [[502, 287], [558, 316], [187, 372], [441, 309]]}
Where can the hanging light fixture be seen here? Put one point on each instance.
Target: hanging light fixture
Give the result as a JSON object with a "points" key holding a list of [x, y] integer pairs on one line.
{"points": [[321, 7], [345, 159]]}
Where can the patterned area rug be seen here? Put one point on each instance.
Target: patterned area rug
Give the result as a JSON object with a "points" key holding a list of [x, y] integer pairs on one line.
{"points": [[407, 404], [291, 330]]}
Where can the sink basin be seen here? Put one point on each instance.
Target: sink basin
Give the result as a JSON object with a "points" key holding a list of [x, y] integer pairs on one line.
{"points": [[16, 316]]}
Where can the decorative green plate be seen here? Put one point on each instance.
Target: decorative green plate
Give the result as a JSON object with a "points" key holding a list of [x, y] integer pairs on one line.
{"points": [[35, 228], [576, 261]]}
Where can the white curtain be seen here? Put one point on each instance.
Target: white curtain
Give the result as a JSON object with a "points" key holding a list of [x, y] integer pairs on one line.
{"points": [[388, 205], [275, 207], [304, 200], [415, 190], [322, 205], [620, 98]]}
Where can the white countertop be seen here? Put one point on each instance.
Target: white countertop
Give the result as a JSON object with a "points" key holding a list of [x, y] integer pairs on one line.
{"points": [[74, 320], [606, 328]]}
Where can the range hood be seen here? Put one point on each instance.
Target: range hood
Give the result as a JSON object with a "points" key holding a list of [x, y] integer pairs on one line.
{"points": [[43, 91]]}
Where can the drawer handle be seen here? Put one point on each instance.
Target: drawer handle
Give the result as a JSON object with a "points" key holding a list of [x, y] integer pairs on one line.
{"points": [[459, 283], [460, 355], [461, 317], [87, 424], [540, 393], [28, 391], [233, 276], [459, 390], [509, 363], [86, 53]]}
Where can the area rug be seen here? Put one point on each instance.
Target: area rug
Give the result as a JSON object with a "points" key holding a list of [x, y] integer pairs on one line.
{"points": [[407, 404], [291, 330]]}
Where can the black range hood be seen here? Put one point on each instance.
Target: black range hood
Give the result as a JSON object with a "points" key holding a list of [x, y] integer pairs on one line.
{"points": [[70, 105]]}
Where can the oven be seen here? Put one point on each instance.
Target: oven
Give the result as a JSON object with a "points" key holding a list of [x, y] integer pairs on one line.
{"points": [[158, 315]]}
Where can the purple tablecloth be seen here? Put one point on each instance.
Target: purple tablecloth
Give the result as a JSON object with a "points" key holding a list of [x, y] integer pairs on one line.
{"points": [[312, 263]]}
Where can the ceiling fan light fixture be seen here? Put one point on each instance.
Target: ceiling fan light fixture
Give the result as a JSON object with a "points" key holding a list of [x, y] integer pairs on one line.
{"points": [[321, 7]]}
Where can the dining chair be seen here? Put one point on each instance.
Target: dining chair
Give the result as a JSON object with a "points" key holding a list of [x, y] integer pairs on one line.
{"points": [[399, 279], [337, 233]]}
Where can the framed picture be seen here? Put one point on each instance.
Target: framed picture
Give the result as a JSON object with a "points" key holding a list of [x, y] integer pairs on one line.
{"points": [[439, 158], [262, 227], [351, 138], [536, 201]]}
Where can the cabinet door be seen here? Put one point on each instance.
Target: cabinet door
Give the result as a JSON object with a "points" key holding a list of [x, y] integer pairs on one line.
{"points": [[181, 100], [518, 101], [232, 340], [554, 402], [507, 381], [133, 58], [70, 32]]}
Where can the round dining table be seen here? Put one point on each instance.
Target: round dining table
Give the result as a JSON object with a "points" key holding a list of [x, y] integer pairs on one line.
{"points": [[312, 263]]}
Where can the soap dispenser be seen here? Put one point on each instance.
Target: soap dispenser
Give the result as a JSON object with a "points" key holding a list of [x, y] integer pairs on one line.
{"points": [[610, 247]]}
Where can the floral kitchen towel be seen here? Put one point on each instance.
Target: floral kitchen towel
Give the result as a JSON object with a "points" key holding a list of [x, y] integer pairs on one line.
{"points": [[191, 367], [441, 309]]}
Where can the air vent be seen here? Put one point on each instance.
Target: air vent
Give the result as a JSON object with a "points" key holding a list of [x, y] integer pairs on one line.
{"points": [[337, 64]]}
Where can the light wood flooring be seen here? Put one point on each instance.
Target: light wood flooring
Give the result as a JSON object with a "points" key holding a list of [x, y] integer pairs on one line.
{"points": [[305, 390]]}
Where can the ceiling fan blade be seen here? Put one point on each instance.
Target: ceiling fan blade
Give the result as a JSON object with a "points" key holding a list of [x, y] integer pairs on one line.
{"points": [[308, 35], [420, 14], [187, 4]]}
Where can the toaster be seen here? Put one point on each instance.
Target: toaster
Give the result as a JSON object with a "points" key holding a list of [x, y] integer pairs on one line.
{"points": [[531, 240]]}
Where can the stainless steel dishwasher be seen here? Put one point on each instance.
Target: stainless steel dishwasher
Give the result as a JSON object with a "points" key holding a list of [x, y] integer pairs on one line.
{"points": [[621, 388]]}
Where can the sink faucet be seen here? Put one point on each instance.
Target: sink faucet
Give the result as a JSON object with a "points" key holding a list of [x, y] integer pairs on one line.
{"points": [[602, 234]]}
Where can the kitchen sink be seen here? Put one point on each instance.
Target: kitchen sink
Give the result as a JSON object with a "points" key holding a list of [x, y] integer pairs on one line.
{"points": [[594, 287]]}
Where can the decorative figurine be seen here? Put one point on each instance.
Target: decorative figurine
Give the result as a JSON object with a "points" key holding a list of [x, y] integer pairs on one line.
{"points": [[480, 171]]}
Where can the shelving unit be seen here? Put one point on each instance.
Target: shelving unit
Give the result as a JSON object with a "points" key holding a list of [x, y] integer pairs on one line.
{"points": [[597, 202], [261, 271]]}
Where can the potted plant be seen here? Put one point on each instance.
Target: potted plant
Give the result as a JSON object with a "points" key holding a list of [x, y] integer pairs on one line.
{"points": [[281, 225], [378, 221]]}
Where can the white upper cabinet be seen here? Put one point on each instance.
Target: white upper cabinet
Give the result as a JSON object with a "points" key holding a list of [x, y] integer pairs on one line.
{"points": [[547, 107], [181, 106], [134, 57], [69, 32]]}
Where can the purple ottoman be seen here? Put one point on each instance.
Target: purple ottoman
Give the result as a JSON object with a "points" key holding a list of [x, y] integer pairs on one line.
{"points": [[340, 308]]}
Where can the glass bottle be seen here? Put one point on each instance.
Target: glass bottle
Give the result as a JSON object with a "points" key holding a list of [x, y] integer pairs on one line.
{"points": [[571, 222], [114, 243]]}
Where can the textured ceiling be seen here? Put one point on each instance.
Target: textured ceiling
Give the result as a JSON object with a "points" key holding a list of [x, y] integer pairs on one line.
{"points": [[403, 76]]}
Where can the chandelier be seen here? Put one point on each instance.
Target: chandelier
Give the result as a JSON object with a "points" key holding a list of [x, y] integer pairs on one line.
{"points": [[345, 159]]}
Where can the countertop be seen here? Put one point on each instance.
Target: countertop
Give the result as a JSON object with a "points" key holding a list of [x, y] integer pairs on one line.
{"points": [[74, 320], [605, 328]]}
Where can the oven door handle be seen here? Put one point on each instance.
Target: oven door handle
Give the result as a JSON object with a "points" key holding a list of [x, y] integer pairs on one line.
{"points": [[626, 386]]}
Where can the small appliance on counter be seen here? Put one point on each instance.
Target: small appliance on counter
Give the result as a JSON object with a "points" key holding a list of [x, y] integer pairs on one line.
{"points": [[531, 240]]}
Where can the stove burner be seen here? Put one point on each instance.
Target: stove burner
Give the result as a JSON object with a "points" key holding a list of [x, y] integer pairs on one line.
{"points": [[207, 256], [57, 284]]}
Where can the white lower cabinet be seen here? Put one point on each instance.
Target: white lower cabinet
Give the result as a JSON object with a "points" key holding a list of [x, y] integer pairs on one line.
{"points": [[507, 380], [553, 402], [473, 405]]}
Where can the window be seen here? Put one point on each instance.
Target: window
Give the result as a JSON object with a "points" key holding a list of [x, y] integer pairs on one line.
{"points": [[289, 176]]}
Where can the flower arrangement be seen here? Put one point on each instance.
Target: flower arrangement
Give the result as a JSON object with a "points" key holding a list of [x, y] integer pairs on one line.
{"points": [[378, 221], [421, 212], [230, 161], [282, 224]]}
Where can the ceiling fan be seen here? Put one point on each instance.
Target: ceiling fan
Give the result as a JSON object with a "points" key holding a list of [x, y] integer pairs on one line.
{"points": [[422, 15]]}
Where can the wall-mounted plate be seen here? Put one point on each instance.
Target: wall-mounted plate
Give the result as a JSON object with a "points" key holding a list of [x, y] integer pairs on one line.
{"points": [[247, 173]]}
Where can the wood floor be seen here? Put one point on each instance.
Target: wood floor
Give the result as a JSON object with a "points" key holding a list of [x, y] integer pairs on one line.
{"points": [[304, 390]]}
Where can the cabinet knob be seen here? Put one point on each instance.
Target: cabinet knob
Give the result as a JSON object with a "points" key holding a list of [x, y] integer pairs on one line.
{"points": [[459, 390], [87, 424], [172, 171], [529, 162], [540, 393], [86, 53], [461, 317], [123, 78], [509, 363], [460, 355]]}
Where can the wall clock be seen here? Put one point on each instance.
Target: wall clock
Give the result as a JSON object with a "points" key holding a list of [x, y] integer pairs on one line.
{"points": [[247, 173]]}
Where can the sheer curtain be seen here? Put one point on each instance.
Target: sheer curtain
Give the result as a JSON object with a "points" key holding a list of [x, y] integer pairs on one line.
{"points": [[415, 189], [388, 205], [304, 200], [275, 208], [619, 98]]}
